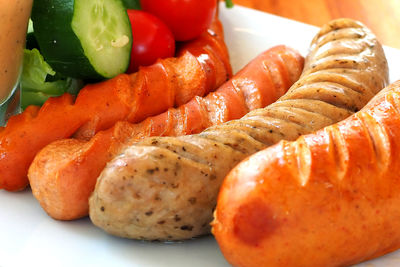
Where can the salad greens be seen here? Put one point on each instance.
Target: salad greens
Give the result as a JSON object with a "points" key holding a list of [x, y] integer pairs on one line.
{"points": [[229, 3], [39, 81]]}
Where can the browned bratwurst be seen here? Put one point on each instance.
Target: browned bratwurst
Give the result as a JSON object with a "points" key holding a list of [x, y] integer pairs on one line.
{"points": [[166, 187], [329, 199]]}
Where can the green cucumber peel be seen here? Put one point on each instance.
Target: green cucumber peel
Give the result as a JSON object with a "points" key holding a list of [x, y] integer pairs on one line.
{"points": [[84, 39], [132, 4]]}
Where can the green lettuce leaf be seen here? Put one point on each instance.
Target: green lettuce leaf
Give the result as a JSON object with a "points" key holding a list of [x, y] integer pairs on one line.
{"points": [[39, 81], [229, 3]]}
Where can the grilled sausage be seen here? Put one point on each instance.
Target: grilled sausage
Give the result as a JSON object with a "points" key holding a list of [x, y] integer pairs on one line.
{"points": [[328, 199], [63, 174], [166, 188]]}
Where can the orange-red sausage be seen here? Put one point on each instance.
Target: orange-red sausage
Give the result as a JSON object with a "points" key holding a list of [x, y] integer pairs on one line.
{"points": [[64, 173], [328, 199], [201, 66]]}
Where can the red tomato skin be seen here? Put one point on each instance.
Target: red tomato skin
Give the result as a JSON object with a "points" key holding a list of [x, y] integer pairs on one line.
{"points": [[152, 39], [187, 19]]}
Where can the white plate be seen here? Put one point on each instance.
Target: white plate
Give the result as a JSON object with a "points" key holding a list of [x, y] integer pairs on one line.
{"points": [[28, 237]]}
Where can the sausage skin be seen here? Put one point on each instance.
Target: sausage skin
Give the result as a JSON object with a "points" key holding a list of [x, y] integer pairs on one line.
{"points": [[166, 187], [63, 174], [328, 199]]}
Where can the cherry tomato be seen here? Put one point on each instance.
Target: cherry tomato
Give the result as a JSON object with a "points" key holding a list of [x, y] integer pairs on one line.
{"points": [[187, 19], [152, 39]]}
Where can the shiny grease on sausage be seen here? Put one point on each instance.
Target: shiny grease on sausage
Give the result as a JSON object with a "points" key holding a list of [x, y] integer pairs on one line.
{"points": [[166, 188], [331, 198]]}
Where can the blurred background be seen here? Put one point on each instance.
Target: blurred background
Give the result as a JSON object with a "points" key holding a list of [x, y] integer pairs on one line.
{"points": [[381, 16]]}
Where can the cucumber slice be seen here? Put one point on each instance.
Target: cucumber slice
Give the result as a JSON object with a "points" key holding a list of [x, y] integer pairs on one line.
{"points": [[132, 4], [84, 39]]}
